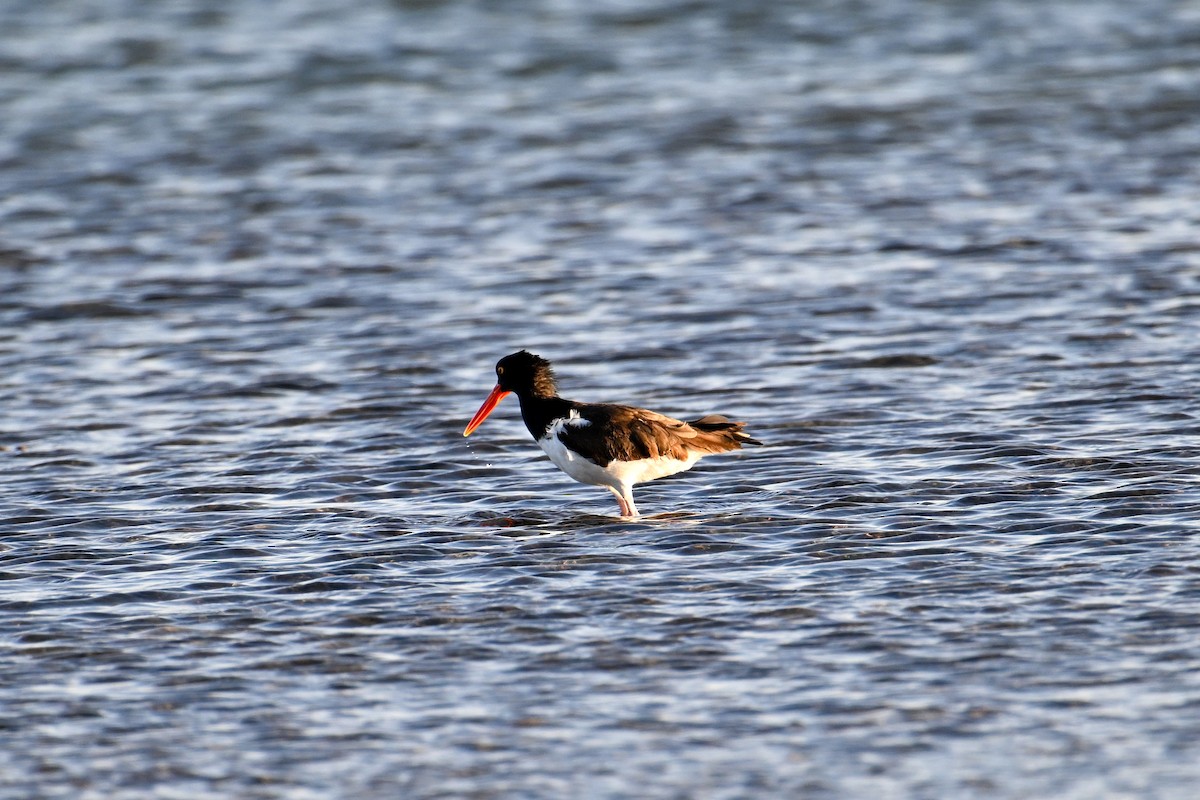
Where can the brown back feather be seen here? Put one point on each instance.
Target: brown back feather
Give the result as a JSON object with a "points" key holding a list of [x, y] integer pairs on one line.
{"points": [[650, 435]]}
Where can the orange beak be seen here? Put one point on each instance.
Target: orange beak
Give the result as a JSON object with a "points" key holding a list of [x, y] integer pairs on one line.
{"points": [[492, 401]]}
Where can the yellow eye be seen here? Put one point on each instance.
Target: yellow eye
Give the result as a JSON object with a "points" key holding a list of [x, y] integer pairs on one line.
{"points": [[499, 370]]}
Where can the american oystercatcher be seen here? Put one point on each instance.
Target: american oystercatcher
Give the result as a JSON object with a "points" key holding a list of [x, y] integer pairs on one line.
{"points": [[601, 444]]}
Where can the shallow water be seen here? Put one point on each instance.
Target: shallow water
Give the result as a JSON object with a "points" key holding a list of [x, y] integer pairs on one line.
{"points": [[257, 262]]}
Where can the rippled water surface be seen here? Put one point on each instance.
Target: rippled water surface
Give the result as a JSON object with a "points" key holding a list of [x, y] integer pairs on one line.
{"points": [[257, 261]]}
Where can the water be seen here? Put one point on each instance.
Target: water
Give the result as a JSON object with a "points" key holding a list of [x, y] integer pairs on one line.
{"points": [[257, 262]]}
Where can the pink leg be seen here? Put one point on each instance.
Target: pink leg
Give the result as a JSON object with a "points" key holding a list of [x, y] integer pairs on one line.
{"points": [[627, 509]]}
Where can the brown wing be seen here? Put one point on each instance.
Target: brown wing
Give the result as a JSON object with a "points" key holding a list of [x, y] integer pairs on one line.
{"points": [[624, 433]]}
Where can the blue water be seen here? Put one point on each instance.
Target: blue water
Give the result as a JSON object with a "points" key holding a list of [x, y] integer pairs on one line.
{"points": [[257, 262]]}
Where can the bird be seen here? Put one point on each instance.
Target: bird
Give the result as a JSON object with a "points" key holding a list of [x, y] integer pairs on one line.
{"points": [[602, 444]]}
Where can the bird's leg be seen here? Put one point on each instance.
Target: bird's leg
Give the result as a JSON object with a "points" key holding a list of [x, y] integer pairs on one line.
{"points": [[626, 503], [628, 509]]}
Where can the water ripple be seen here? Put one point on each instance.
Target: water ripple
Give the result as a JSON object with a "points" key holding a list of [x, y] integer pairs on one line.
{"points": [[256, 264]]}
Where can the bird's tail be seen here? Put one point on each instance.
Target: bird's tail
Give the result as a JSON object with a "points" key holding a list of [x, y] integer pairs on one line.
{"points": [[721, 434]]}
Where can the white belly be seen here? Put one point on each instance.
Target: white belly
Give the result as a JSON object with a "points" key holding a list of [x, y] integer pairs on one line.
{"points": [[617, 474]]}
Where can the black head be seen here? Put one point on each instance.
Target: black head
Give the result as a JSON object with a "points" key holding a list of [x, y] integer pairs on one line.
{"points": [[525, 374]]}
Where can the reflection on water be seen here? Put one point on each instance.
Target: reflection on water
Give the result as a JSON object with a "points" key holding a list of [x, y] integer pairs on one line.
{"points": [[256, 265]]}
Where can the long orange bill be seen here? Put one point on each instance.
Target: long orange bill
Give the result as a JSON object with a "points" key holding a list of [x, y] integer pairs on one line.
{"points": [[492, 401]]}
